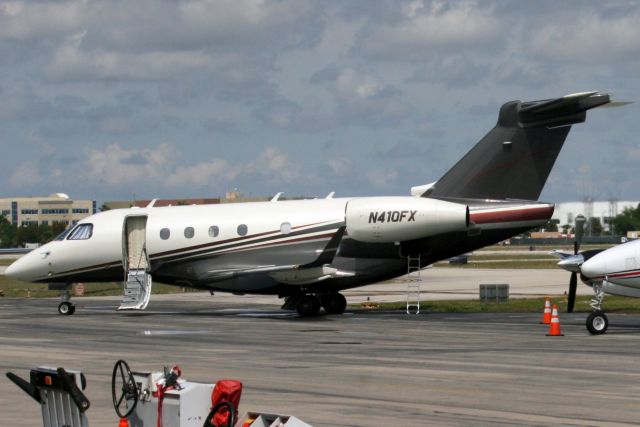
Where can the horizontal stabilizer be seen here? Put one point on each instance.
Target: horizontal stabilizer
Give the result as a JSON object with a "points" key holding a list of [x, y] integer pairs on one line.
{"points": [[563, 111]]}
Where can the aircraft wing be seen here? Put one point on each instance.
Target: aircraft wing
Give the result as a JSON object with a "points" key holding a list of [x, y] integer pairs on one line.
{"points": [[315, 271]]}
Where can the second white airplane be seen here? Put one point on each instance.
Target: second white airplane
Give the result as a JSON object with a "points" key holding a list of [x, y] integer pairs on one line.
{"points": [[614, 271], [308, 251]]}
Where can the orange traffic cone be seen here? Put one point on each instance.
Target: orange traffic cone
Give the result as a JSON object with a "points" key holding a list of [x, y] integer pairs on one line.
{"points": [[123, 422], [546, 315], [554, 326]]}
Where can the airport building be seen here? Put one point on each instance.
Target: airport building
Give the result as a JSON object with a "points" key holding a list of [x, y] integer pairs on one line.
{"points": [[57, 208], [566, 212]]}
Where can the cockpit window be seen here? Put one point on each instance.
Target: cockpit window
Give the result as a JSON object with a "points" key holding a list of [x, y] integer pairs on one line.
{"points": [[64, 234], [81, 232]]}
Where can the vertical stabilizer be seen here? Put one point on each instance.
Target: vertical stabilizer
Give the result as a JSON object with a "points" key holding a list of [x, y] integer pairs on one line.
{"points": [[515, 158]]}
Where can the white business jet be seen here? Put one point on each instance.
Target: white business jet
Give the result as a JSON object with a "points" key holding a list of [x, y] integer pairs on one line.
{"points": [[307, 251], [615, 271]]}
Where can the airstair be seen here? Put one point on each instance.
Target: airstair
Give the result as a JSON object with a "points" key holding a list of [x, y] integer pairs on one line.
{"points": [[413, 284], [137, 290], [137, 280]]}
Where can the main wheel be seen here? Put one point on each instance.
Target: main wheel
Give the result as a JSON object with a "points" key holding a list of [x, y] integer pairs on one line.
{"points": [[309, 305], [597, 323], [66, 308], [334, 303]]}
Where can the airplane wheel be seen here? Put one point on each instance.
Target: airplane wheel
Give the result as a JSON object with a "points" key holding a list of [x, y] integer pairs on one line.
{"points": [[334, 303], [597, 323], [66, 308], [309, 305]]}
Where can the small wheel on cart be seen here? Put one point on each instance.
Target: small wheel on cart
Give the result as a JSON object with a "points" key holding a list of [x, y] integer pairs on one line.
{"points": [[597, 323], [66, 308], [123, 389]]}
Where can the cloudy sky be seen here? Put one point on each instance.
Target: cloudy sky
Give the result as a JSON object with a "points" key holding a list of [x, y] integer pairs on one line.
{"points": [[110, 99]]}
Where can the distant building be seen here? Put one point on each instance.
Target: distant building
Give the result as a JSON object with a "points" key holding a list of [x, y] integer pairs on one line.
{"points": [[566, 212], [49, 210]]}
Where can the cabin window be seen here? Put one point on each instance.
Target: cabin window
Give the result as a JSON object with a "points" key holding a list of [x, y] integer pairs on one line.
{"points": [[285, 228], [81, 232], [214, 231], [165, 233], [189, 232], [242, 230]]}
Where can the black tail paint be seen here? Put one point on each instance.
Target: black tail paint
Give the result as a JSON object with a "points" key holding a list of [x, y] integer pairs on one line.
{"points": [[514, 159]]}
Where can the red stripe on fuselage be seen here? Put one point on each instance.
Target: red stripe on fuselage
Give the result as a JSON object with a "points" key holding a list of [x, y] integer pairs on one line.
{"points": [[513, 215]]}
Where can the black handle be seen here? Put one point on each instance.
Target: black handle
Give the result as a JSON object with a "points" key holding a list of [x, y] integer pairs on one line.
{"points": [[26, 386], [76, 394]]}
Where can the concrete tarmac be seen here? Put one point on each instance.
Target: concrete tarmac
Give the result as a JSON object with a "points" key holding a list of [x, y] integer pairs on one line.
{"points": [[363, 368]]}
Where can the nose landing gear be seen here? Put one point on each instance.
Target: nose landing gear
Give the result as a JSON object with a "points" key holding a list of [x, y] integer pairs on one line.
{"points": [[597, 322], [66, 307]]}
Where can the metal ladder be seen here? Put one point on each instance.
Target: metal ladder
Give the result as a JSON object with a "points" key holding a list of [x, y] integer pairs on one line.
{"points": [[137, 290], [413, 284]]}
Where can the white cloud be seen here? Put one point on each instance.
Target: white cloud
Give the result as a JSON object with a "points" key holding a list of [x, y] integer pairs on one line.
{"points": [[589, 37], [116, 165], [274, 163], [339, 166], [211, 173], [26, 174], [70, 62], [438, 25], [30, 20], [350, 83], [382, 179]]}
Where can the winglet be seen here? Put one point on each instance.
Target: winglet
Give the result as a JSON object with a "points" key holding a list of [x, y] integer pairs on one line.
{"points": [[330, 195], [152, 203], [277, 197]]}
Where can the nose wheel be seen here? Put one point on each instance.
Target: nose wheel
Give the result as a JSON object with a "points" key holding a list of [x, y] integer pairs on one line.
{"points": [[66, 308], [597, 323]]}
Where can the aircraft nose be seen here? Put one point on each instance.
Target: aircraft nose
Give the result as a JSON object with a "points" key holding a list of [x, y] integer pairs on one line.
{"points": [[15, 270], [594, 268], [21, 269]]}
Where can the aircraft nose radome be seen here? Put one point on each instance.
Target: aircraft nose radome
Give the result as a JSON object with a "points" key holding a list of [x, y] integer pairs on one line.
{"points": [[13, 271], [18, 270]]}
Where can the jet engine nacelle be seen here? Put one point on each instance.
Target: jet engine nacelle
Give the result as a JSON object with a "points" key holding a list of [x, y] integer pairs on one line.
{"points": [[398, 219]]}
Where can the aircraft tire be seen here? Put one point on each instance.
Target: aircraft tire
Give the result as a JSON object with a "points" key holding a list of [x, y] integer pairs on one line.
{"points": [[334, 303], [66, 308], [597, 323], [309, 305]]}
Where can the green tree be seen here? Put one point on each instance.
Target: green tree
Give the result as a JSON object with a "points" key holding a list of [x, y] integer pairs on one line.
{"points": [[551, 225], [628, 220], [596, 226], [7, 233]]}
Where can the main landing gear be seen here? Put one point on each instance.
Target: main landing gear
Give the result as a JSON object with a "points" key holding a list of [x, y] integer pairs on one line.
{"points": [[597, 322], [310, 304]]}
